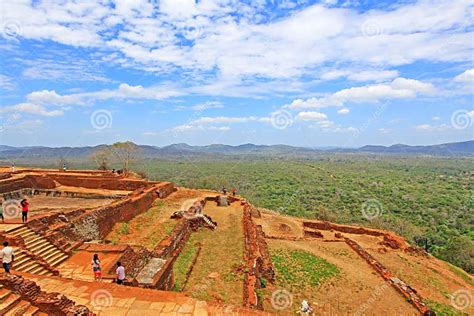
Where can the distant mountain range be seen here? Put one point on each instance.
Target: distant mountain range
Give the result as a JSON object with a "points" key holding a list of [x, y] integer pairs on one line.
{"points": [[449, 149]]}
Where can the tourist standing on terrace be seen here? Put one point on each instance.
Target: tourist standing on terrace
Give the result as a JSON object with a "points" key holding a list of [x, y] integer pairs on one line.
{"points": [[24, 210], [120, 273], [1, 210], [96, 268], [7, 256]]}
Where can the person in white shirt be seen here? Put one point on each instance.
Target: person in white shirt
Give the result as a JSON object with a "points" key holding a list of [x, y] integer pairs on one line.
{"points": [[120, 273], [7, 256]]}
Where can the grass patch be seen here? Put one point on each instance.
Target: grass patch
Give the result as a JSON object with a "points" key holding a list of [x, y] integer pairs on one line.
{"points": [[442, 309], [124, 229], [461, 273], [298, 269], [183, 264]]}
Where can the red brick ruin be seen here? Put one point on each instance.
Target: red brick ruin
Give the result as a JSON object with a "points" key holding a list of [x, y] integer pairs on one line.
{"points": [[71, 230]]}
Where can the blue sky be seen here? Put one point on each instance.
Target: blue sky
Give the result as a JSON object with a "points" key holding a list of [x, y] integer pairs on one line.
{"points": [[306, 73]]}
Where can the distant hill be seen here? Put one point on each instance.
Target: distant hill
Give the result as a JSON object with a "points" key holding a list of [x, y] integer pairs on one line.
{"points": [[449, 149]]}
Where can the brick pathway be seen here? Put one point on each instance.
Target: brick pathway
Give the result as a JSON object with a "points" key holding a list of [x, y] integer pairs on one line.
{"points": [[112, 299]]}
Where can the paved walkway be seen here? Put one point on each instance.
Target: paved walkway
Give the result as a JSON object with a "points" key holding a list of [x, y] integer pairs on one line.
{"points": [[115, 300]]}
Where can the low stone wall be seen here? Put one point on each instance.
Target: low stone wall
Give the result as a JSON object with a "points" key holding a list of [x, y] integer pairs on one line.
{"points": [[257, 259], [398, 284], [389, 239], [49, 303]]}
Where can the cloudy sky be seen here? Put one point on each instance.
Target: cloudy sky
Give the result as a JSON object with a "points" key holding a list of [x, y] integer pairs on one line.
{"points": [[298, 72]]}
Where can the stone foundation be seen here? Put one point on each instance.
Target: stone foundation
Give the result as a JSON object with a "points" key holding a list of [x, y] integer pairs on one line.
{"points": [[49, 303]]}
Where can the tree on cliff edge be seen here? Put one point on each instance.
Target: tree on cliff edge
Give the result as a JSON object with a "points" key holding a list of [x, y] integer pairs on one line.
{"points": [[125, 153]]}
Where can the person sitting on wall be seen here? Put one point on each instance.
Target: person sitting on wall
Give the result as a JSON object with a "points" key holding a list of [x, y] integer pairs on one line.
{"points": [[24, 210], [224, 191], [120, 272], [96, 268], [7, 256]]}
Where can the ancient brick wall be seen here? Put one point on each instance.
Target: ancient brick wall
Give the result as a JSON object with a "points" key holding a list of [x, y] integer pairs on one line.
{"points": [[133, 259], [49, 303], [28, 181], [401, 286], [343, 228], [99, 182], [257, 259]]}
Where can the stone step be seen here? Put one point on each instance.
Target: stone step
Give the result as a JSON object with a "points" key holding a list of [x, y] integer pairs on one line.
{"points": [[19, 230], [32, 311], [21, 261], [45, 272], [8, 303], [27, 235], [19, 309], [37, 270], [53, 256], [31, 267], [48, 253], [56, 262], [4, 293], [33, 242], [25, 266], [40, 248]]}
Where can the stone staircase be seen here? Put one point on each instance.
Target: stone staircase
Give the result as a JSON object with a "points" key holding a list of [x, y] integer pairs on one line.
{"points": [[25, 263], [13, 305], [38, 245]]}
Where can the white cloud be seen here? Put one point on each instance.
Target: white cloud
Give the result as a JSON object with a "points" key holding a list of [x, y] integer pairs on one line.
{"points": [[224, 119], [399, 88], [6, 82], [312, 116], [467, 76], [343, 111], [436, 118], [233, 38], [207, 105], [432, 128], [31, 108], [361, 75], [52, 98]]}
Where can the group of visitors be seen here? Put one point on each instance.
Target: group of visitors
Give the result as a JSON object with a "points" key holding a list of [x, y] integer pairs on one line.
{"points": [[24, 210], [7, 255], [97, 269]]}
